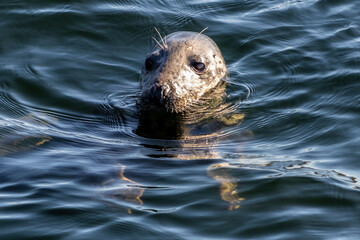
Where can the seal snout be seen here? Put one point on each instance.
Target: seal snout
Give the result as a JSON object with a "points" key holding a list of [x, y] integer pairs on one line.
{"points": [[155, 95]]}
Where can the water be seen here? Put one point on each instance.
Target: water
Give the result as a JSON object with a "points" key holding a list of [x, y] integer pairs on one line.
{"points": [[72, 167]]}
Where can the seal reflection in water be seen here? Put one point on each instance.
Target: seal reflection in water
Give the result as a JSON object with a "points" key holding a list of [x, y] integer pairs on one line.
{"points": [[183, 84]]}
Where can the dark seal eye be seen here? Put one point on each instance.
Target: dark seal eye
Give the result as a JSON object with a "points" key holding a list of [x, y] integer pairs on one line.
{"points": [[149, 64], [198, 66]]}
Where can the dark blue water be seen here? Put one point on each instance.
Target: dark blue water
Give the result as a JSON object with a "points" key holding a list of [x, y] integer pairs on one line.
{"points": [[72, 166]]}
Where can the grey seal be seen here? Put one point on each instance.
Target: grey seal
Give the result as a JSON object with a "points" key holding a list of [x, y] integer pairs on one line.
{"points": [[181, 69]]}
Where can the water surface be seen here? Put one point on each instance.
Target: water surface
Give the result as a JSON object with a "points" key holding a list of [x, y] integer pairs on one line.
{"points": [[72, 166]]}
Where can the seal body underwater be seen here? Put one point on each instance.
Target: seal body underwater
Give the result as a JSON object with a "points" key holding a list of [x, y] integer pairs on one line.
{"points": [[183, 82], [179, 74]]}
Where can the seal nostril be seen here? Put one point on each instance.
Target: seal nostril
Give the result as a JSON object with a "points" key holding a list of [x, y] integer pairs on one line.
{"points": [[149, 64]]}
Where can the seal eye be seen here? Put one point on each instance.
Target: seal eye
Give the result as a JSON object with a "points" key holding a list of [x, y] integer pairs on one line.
{"points": [[149, 64], [198, 66]]}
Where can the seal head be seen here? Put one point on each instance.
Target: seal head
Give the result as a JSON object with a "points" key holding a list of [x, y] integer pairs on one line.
{"points": [[180, 71]]}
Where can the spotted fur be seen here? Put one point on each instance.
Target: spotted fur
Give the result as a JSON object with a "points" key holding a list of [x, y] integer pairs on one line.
{"points": [[168, 79]]}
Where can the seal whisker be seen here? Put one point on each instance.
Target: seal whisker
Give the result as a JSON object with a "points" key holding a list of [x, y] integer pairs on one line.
{"points": [[158, 42], [162, 40], [199, 34]]}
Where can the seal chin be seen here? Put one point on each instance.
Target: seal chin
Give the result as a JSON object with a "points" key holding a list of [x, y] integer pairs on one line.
{"points": [[155, 101], [153, 95]]}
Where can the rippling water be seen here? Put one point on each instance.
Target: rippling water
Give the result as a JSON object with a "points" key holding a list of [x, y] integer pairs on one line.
{"points": [[72, 167]]}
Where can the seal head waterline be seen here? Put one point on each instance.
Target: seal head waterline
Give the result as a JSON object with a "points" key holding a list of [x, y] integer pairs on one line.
{"points": [[183, 75]]}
